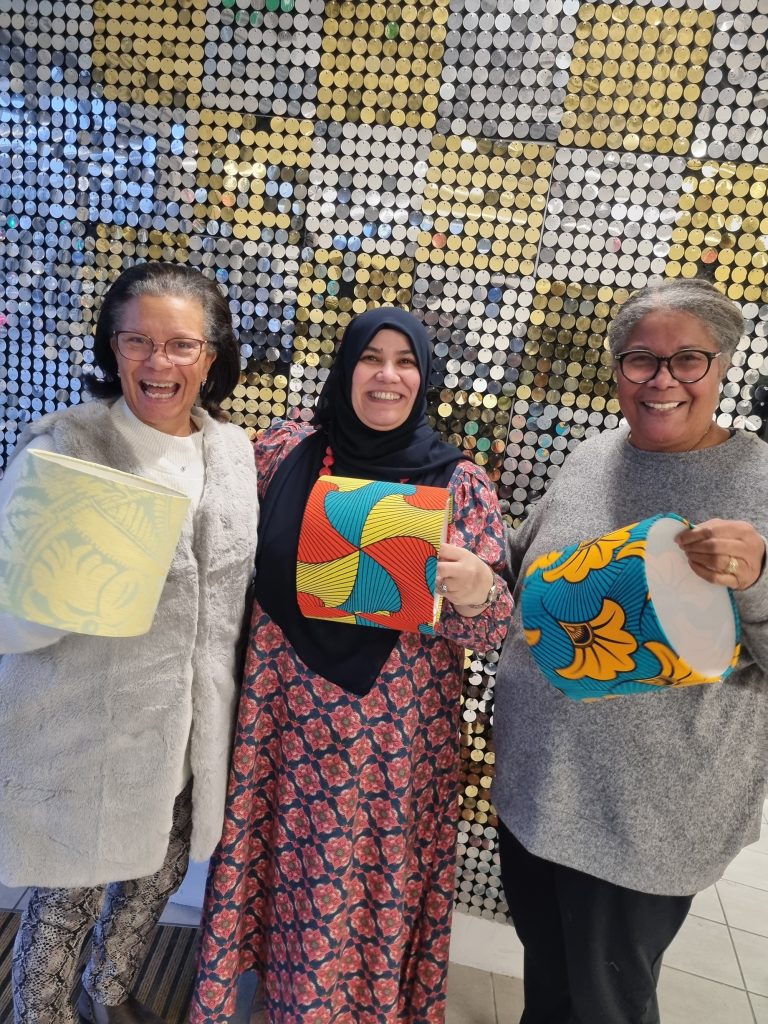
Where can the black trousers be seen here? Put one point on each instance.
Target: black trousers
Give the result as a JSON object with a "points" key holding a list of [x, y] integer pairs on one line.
{"points": [[592, 950]]}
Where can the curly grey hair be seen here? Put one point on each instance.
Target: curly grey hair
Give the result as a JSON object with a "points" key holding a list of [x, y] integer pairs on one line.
{"points": [[719, 316]]}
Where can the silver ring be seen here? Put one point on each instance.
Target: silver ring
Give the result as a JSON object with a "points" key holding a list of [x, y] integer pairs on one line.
{"points": [[733, 566], [443, 588]]}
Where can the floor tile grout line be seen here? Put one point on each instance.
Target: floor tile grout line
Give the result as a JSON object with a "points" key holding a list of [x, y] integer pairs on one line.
{"points": [[748, 931], [495, 1004], [752, 1005], [738, 964], [736, 881], [728, 926], [720, 901], [705, 977], [744, 885], [751, 849], [701, 917]]}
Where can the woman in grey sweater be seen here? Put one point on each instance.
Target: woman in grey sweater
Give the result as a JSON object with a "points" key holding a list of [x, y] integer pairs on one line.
{"points": [[615, 812]]}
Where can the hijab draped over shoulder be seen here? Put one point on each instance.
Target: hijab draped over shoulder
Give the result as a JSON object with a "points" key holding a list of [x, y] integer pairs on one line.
{"points": [[347, 655]]}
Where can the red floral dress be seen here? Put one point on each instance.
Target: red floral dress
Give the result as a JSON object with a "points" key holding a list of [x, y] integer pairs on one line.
{"points": [[334, 876]]}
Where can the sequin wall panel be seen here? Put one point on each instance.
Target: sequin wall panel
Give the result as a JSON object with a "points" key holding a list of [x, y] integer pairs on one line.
{"points": [[507, 169]]}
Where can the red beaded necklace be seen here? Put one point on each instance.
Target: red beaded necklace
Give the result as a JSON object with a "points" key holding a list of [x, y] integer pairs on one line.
{"points": [[326, 469]]}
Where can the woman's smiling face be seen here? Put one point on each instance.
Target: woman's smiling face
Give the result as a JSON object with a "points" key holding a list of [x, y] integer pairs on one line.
{"points": [[386, 381], [665, 414], [158, 392]]}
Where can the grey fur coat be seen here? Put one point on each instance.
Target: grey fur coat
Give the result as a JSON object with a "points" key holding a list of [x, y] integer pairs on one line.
{"points": [[93, 730]]}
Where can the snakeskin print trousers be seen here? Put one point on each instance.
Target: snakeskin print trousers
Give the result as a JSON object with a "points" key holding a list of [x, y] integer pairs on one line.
{"points": [[123, 916]]}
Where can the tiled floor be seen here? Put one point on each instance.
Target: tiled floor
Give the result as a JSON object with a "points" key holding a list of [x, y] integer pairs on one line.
{"points": [[716, 971]]}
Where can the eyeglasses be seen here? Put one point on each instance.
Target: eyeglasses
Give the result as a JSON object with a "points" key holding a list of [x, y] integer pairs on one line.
{"points": [[138, 347], [686, 366]]}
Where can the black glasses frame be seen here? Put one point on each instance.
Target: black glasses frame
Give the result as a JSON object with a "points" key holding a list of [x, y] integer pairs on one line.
{"points": [[668, 360], [158, 347]]}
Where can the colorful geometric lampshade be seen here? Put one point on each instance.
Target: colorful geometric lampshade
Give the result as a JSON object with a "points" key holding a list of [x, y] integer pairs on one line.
{"points": [[86, 548], [368, 553], [625, 613]]}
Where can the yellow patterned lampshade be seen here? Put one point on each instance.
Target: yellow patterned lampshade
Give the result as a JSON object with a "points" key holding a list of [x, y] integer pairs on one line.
{"points": [[86, 548], [368, 553]]}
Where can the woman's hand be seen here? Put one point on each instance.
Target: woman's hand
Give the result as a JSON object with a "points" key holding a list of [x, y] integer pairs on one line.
{"points": [[463, 579], [725, 551]]}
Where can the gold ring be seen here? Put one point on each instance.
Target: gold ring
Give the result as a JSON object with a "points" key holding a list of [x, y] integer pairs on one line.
{"points": [[733, 566]]}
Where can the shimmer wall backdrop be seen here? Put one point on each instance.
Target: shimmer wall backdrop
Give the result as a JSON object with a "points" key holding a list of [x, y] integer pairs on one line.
{"points": [[507, 169]]}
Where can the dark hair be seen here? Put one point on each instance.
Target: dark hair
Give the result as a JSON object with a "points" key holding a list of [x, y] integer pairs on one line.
{"points": [[159, 280], [720, 317]]}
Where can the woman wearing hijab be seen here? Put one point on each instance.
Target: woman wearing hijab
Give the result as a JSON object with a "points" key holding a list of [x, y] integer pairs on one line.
{"points": [[334, 878]]}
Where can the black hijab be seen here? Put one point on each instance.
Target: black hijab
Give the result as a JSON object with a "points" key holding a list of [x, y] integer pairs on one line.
{"points": [[349, 656]]}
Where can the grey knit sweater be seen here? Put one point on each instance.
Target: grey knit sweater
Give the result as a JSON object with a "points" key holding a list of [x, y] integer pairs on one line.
{"points": [[656, 792]]}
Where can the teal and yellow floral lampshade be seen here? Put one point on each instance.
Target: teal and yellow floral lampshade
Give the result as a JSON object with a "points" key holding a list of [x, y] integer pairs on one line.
{"points": [[368, 553], [86, 548], [625, 613]]}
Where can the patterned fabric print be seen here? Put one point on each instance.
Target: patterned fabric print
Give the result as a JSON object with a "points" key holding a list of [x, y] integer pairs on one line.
{"points": [[57, 921], [590, 621], [368, 553], [52, 930], [335, 874]]}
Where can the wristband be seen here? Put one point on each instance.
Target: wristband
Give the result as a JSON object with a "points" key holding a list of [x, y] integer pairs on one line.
{"points": [[490, 597]]}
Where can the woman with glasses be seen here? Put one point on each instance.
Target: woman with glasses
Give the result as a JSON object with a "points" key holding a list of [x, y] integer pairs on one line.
{"points": [[614, 813], [114, 752]]}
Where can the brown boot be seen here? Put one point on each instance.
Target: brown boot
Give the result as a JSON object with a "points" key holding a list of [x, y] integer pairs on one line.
{"points": [[129, 1012]]}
